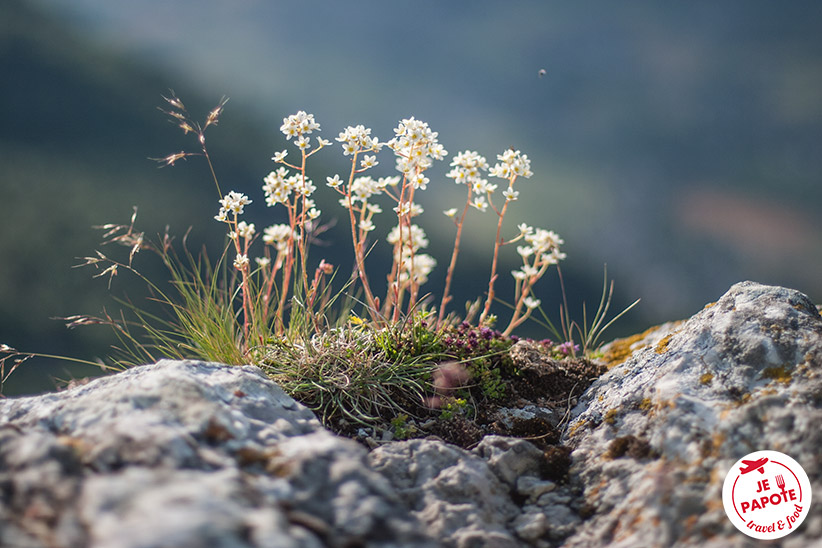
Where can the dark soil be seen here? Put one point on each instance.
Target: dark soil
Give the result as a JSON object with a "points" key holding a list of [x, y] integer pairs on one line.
{"points": [[534, 405]]}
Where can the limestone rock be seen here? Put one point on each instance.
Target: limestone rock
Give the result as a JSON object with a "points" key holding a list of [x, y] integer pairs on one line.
{"points": [[192, 454], [655, 436], [187, 454]]}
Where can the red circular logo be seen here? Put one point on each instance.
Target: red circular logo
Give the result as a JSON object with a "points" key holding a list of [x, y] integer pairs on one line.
{"points": [[766, 494]]}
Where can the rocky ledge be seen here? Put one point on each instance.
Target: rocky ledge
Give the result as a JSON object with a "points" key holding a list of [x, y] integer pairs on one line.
{"points": [[191, 454]]}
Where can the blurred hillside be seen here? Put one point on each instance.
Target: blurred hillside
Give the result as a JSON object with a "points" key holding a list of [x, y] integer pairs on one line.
{"points": [[78, 125], [646, 108], [678, 143]]}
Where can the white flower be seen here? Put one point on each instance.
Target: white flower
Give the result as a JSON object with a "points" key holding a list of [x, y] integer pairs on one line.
{"points": [[525, 251], [518, 274], [298, 125], [417, 268], [263, 261], [419, 181], [450, 212], [240, 261], [510, 194], [413, 238], [302, 142], [304, 187], [233, 202], [513, 162], [245, 230], [357, 138], [279, 156], [416, 146], [364, 187], [543, 240], [480, 203], [531, 302], [366, 225], [334, 182], [403, 209], [530, 271], [277, 235], [368, 162], [322, 142]]}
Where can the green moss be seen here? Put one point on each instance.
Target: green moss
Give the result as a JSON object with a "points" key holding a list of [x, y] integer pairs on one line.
{"points": [[402, 430]]}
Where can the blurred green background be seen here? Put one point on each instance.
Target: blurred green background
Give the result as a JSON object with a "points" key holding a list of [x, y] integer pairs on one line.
{"points": [[680, 143]]}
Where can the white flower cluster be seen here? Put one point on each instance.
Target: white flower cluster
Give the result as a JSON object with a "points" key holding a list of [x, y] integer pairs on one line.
{"points": [[358, 138], [299, 126], [240, 261], [244, 230], [278, 186], [233, 202], [416, 148], [512, 162], [542, 251], [363, 188], [467, 168], [278, 236], [412, 265]]}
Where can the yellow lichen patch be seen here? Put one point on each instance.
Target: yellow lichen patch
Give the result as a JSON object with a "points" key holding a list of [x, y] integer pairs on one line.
{"points": [[621, 349], [706, 378], [746, 397], [662, 346], [646, 404], [709, 305], [577, 426], [610, 416], [780, 373]]}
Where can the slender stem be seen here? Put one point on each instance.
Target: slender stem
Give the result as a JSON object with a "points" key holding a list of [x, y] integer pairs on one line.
{"points": [[289, 265], [394, 276], [415, 286], [359, 251], [210, 165], [301, 222], [445, 294], [497, 244]]}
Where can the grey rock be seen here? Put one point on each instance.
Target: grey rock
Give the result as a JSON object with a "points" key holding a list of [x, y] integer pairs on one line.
{"points": [[533, 488], [187, 454], [655, 436], [191, 454], [453, 492], [510, 458]]}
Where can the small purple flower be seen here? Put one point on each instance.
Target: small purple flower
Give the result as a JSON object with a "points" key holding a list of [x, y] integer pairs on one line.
{"points": [[568, 347]]}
